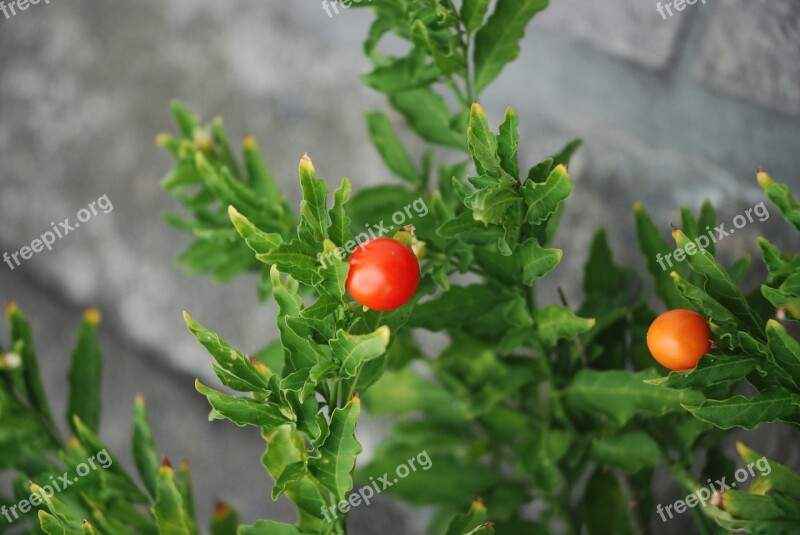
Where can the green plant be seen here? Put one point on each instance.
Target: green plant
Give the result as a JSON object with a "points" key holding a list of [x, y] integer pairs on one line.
{"points": [[553, 404]]}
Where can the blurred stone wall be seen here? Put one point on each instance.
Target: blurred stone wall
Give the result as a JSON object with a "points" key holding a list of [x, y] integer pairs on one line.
{"points": [[672, 111]]}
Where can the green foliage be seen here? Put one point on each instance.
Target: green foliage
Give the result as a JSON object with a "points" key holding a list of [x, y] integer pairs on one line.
{"points": [[525, 402]]}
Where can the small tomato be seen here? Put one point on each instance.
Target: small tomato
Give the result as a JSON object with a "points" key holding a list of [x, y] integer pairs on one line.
{"points": [[678, 338], [383, 275]]}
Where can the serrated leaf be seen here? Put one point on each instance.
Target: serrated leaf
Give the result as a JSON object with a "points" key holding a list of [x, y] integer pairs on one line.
{"points": [[494, 205], [535, 261], [554, 323], [145, 455], [655, 250], [313, 209], [168, 510], [245, 411], [353, 351], [391, 149], [472, 14], [542, 199], [464, 523], [717, 282], [229, 359], [710, 370], [497, 43], [86, 373], [427, 114], [630, 451], [285, 448], [333, 468], [296, 258], [784, 349], [225, 520], [264, 185], [747, 412], [260, 242], [779, 478], [620, 394], [268, 527], [482, 143], [781, 197], [507, 141], [22, 338]]}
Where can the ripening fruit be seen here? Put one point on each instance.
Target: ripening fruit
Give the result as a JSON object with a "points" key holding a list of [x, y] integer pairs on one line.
{"points": [[383, 275], [678, 338]]}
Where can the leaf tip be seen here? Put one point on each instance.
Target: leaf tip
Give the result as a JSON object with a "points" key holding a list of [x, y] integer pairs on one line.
{"points": [[92, 316], [763, 178], [249, 142]]}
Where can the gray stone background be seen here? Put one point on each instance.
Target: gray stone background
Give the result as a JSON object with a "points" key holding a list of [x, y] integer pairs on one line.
{"points": [[671, 111]]}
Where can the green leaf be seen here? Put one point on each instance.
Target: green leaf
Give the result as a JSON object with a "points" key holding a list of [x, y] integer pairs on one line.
{"points": [[494, 204], [268, 527], [245, 411], [231, 360], [86, 373], [534, 261], [337, 455], [704, 304], [186, 120], [718, 284], [145, 455], [301, 352], [779, 478], [443, 48], [497, 43], [542, 199], [747, 412], [296, 258], [62, 516], [91, 443], [225, 520], [472, 14], [710, 370], [168, 510], [631, 451], [459, 306], [620, 394], [264, 185], [464, 523], [781, 197], [260, 242], [401, 74], [391, 149], [784, 349], [427, 114], [340, 221], [507, 142], [21, 337], [285, 448], [482, 143], [656, 251], [353, 351], [291, 474], [313, 209], [606, 505], [554, 323]]}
